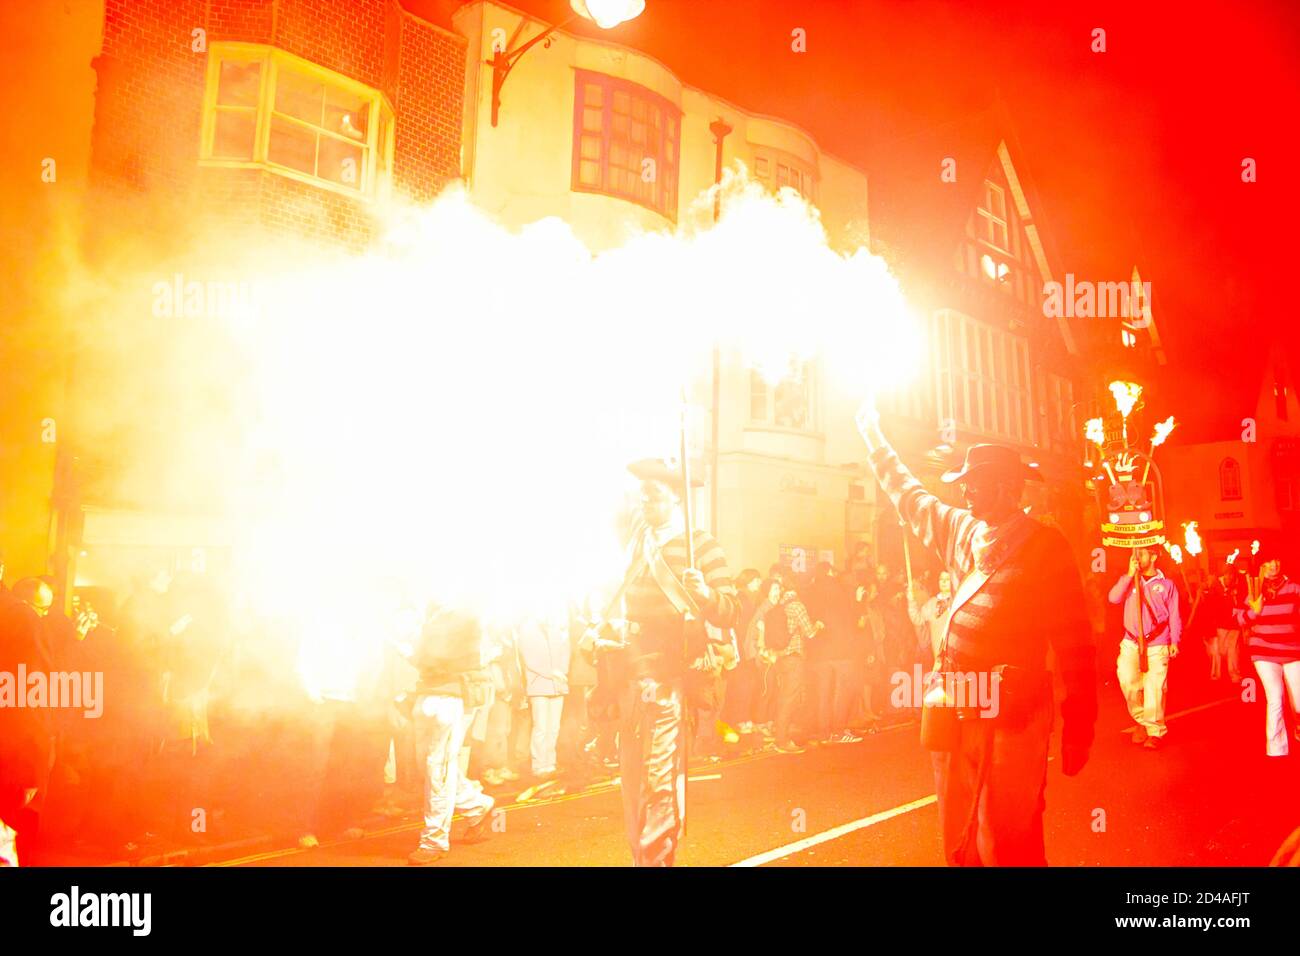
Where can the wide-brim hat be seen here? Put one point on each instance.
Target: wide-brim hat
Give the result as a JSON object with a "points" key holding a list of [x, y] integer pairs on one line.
{"points": [[668, 471], [1000, 458]]}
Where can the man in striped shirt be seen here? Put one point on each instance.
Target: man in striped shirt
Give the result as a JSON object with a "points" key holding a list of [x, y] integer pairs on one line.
{"points": [[1273, 618], [1020, 595], [663, 589]]}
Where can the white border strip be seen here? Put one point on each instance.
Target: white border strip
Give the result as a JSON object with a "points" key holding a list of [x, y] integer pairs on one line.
{"points": [[837, 832]]}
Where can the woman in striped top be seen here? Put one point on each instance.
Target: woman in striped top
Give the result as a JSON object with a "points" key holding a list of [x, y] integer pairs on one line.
{"points": [[1274, 645]]}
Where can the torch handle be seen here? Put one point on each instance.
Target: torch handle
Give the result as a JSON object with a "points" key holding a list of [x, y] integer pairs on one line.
{"points": [[687, 510]]}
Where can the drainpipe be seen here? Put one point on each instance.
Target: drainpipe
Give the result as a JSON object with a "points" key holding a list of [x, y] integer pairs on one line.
{"points": [[719, 129]]}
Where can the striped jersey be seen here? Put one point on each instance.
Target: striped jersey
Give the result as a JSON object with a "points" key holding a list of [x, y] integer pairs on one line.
{"points": [[1275, 628], [658, 646], [1033, 601]]}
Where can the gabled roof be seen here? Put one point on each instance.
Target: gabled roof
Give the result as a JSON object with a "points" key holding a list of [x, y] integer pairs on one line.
{"points": [[918, 219], [1209, 411]]}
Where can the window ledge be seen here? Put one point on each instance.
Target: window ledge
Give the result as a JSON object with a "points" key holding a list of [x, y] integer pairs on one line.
{"points": [[288, 173]]}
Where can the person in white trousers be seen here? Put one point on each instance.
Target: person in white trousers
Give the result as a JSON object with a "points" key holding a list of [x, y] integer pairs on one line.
{"points": [[440, 727], [1156, 614], [544, 649], [1274, 645]]}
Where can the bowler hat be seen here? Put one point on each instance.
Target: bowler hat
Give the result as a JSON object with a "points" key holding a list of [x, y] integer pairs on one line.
{"points": [[665, 470], [999, 458]]}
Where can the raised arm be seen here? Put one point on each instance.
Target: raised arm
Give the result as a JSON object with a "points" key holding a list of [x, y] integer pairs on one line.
{"points": [[1120, 589], [940, 527]]}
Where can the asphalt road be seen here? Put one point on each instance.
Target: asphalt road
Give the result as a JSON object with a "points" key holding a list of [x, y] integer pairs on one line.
{"points": [[1210, 797]]}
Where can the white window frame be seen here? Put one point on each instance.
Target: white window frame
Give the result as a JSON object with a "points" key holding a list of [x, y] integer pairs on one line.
{"points": [[982, 381], [775, 169], [764, 392], [992, 219], [375, 179]]}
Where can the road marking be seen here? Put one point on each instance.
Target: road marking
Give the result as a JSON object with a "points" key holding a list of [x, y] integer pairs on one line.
{"points": [[835, 833], [594, 789], [1184, 713]]}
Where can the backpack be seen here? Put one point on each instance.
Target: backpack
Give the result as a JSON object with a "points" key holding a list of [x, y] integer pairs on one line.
{"points": [[776, 629]]}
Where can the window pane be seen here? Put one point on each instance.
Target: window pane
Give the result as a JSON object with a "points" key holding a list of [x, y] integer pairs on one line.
{"points": [[589, 173], [239, 82], [292, 146], [618, 154], [757, 397], [592, 118], [622, 102], [299, 96], [233, 138], [340, 162], [593, 94], [346, 114], [589, 147]]}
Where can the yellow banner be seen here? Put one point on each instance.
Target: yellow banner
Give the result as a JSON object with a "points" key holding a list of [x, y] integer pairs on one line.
{"points": [[1132, 528], [1150, 541]]}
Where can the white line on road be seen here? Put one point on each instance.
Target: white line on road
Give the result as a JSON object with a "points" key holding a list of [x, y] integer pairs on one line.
{"points": [[1184, 713], [834, 834]]}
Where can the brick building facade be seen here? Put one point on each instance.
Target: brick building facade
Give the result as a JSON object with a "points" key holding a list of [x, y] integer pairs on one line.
{"points": [[215, 121], [157, 82]]}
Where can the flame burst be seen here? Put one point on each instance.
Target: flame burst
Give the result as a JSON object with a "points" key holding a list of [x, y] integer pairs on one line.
{"points": [[1126, 396], [1162, 431], [450, 419], [1191, 538], [1095, 432]]}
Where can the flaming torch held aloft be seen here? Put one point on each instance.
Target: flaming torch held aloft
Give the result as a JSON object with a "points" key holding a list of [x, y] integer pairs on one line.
{"points": [[1253, 584], [1158, 438], [1126, 396]]}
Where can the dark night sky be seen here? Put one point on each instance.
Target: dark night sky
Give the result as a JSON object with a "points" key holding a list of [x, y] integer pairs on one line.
{"points": [[1136, 153]]}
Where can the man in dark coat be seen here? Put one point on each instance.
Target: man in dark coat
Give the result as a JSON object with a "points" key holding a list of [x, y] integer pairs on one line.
{"points": [[1020, 596]]}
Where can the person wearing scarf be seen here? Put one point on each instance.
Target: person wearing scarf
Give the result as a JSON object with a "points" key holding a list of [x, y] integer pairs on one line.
{"points": [[653, 734]]}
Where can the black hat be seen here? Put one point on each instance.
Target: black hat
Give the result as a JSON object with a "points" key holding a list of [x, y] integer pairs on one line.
{"points": [[993, 458], [665, 470]]}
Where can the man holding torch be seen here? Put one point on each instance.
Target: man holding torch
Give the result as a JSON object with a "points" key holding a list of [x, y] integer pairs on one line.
{"points": [[1152, 629], [1019, 596], [677, 580]]}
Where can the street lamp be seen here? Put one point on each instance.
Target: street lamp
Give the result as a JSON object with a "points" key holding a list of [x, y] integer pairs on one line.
{"points": [[606, 14]]}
